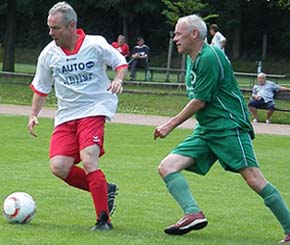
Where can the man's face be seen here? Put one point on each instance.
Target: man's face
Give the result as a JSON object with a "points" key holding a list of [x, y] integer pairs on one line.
{"points": [[59, 32], [140, 42], [261, 80], [183, 38], [121, 40]]}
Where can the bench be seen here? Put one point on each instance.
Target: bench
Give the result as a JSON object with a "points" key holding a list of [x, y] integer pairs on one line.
{"points": [[282, 95], [253, 77], [149, 73], [180, 73]]}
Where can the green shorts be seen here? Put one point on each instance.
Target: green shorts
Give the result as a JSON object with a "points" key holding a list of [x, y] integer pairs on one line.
{"points": [[234, 151]]}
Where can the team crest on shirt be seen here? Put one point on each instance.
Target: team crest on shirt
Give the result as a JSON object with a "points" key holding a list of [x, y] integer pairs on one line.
{"points": [[190, 84]]}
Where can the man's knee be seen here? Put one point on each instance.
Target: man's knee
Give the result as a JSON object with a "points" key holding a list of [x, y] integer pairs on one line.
{"points": [[60, 166], [90, 158], [164, 168], [174, 163]]}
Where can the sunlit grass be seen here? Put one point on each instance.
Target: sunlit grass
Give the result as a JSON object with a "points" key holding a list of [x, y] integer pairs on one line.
{"points": [[65, 215]]}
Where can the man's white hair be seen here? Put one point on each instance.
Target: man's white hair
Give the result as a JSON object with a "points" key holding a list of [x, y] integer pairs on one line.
{"points": [[262, 74], [67, 11], [195, 22]]}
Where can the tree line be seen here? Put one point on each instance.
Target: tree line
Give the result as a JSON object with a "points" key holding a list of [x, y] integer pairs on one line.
{"points": [[255, 29]]}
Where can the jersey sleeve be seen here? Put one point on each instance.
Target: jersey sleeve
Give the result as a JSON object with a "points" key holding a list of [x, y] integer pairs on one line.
{"points": [[111, 56], [42, 81]]}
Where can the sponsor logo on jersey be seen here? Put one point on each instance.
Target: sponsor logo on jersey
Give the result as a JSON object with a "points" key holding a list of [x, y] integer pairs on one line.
{"points": [[79, 78], [77, 73], [77, 67]]}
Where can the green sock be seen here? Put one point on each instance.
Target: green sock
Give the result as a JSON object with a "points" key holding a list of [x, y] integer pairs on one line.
{"points": [[274, 201], [178, 188]]}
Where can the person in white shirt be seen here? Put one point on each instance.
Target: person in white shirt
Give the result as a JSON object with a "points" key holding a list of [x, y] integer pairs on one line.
{"points": [[74, 63], [218, 39]]}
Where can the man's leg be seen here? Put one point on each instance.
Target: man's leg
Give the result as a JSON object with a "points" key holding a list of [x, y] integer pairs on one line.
{"points": [[253, 111], [133, 67], [97, 186], [169, 170], [271, 108], [270, 194]]}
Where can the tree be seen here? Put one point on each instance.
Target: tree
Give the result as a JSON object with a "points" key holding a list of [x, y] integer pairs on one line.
{"points": [[177, 9], [9, 40]]}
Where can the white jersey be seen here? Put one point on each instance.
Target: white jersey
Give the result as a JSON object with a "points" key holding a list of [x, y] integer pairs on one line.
{"points": [[80, 80], [217, 40]]}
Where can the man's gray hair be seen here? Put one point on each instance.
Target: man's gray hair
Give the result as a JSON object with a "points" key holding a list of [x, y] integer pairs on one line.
{"points": [[195, 22], [67, 11], [262, 74]]}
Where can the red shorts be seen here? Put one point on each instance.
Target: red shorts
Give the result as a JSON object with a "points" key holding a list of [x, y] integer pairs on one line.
{"points": [[69, 138]]}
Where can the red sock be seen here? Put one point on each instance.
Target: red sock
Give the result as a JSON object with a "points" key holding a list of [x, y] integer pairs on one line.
{"points": [[98, 187], [77, 177]]}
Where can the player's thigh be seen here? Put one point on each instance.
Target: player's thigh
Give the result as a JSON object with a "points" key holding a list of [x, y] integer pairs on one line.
{"points": [[90, 132], [196, 148], [234, 152], [64, 142]]}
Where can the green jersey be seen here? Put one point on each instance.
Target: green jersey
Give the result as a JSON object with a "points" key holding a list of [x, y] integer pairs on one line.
{"points": [[210, 78]]}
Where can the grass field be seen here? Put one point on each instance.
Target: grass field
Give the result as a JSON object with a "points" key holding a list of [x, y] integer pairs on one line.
{"points": [[65, 215], [149, 104]]}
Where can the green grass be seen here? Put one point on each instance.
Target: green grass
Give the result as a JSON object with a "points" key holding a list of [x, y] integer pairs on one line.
{"points": [[149, 104], [65, 215]]}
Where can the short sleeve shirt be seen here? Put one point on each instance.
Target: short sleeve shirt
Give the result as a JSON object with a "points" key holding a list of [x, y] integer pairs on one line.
{"points": [[217, 40], [79, 79], [266, 91], [141, 50], [210, 78]]}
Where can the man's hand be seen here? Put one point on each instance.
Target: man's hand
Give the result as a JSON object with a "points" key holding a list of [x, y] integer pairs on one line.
{"points": [[116, 86], [162, 131], [33, 121]]}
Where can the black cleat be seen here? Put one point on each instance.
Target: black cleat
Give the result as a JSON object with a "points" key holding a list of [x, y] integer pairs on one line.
{"points": [[112, 193], [102, 223]]}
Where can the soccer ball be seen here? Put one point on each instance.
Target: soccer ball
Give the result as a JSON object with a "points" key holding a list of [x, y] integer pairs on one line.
{"points": [[19, 208]]}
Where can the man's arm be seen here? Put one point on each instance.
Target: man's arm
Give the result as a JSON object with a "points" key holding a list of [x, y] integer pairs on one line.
{"points": [[37, 103], [188, 111], [283, 88], [223, 43]]}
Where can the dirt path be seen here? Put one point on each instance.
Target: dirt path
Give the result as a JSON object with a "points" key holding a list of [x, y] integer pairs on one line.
{"points": [[136, 119]]}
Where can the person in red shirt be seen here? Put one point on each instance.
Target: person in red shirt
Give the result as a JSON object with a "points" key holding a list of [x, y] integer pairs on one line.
{"points": [[121, 46]]}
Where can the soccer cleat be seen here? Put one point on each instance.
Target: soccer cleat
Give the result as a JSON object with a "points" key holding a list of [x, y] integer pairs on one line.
{"points": [[112, 193], [187, 223], [255, 120], [103, 223], [286, 239], [268, 121]]}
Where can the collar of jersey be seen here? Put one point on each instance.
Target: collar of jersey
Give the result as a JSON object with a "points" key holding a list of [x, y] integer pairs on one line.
{"points": [[81, 36]]}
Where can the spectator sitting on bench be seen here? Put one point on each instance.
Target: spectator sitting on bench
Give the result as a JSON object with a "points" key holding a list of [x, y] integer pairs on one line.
{"points": [[122, 46], [139, 58], [263, 97]]}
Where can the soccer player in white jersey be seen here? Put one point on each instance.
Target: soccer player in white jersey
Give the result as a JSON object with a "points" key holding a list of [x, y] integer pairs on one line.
{"points": [[74, 63]]}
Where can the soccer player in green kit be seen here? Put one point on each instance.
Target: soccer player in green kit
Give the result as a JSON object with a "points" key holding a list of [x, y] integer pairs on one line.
{"points": [[223, 131]]}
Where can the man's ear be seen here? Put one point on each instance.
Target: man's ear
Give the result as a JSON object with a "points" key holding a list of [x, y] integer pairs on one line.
{"points": [[195, 33]]}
